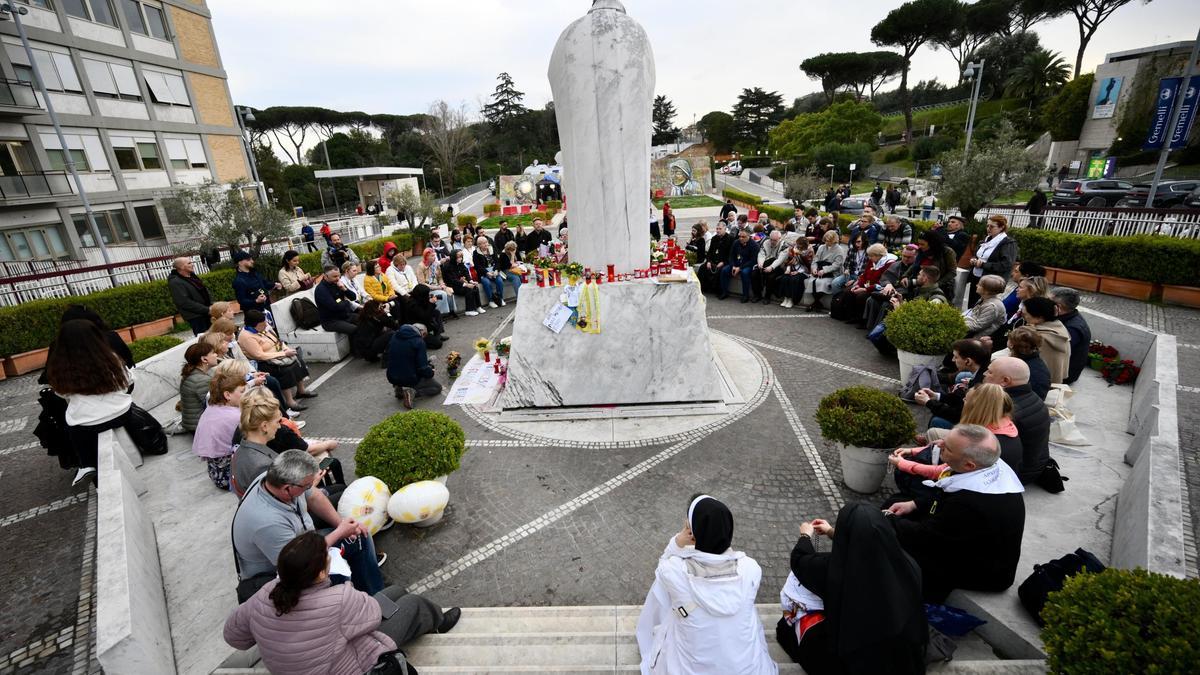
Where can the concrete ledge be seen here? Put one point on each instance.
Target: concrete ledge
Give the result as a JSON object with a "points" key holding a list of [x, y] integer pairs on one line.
{"points": [[320, 346], [133, 632]]}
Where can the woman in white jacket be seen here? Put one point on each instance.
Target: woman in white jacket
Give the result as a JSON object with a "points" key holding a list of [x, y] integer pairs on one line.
{"points": [[699, 616]]}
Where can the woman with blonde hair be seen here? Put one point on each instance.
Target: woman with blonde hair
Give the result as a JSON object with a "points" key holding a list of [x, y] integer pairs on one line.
{"points": [[831, 256], [213, 441], [221, 310]]}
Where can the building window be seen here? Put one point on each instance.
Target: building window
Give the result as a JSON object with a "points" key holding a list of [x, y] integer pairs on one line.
{"points": [[166, 88], [114, 228], [58, 71], [86, 150], [148, 220], [43, 242], [186, 153], [58, 160], [145, 19], [112, 80], [92, 10], [44, 4], [148, 153], [14, 158]]}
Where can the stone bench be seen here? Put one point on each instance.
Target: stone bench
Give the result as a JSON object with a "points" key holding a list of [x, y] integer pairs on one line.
{"points": [[320, 345]]}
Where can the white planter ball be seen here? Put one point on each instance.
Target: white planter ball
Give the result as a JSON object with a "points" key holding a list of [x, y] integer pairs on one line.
{"points": [[366, 500], [417, 502]]}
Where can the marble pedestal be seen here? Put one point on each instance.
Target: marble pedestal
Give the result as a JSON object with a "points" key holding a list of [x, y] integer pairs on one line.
{"points": [[652, 348]]}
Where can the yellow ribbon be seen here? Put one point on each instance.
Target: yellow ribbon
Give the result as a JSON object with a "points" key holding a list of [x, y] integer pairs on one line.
{"points": [[589, 308]]}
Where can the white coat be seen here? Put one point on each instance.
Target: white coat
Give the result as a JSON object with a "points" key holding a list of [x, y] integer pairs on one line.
{"points": [[721, 632]]}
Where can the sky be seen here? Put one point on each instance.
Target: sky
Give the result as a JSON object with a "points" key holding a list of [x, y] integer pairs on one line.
{"points": [[398, 56]]}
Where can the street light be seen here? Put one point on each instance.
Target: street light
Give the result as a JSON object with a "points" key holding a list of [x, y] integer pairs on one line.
{"points": [[480, 172], [970, 73], [244, 117], [441, 185], [830, 167]]}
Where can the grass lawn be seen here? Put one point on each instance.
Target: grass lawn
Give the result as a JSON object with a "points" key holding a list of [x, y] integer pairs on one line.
{"points": [[525, 219], [688, 202], [952, 115], [1020, 197]]}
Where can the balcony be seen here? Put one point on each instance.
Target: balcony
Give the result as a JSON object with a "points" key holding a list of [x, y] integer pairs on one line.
{"points": [[35, 185], [18, 98]]}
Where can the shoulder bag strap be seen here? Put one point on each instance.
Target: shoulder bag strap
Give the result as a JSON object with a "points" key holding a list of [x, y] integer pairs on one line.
{"points": [[232, 543]]}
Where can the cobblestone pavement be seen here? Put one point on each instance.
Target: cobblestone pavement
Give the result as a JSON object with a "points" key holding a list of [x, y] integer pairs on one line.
{"points": [[527, 525]]}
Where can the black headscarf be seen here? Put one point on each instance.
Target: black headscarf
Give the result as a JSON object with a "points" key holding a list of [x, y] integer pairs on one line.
{"points": [[872, 596], [711, 523]]}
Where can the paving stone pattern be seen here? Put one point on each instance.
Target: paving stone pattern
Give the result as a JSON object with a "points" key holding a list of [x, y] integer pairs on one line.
{"points": [[530, 521]]}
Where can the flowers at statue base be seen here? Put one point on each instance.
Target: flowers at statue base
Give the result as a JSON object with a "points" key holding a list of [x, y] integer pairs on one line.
{"points": [[1102, 350], [1120, 372], [453, 362], [573, 270], [504, 346], [482, 345]]}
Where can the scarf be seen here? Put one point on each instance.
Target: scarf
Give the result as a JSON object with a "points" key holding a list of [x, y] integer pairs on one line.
{"points": [[997, 479], [711, 523], [986, 249]]}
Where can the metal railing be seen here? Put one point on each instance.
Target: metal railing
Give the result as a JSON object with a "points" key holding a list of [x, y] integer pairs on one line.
{"points": [[33, 184], [18, 94], [935, 106], [458, 196], [1178, 223], [35, 280]]}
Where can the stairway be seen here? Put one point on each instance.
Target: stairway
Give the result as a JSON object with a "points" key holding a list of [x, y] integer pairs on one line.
{"points": [[598, 639]]}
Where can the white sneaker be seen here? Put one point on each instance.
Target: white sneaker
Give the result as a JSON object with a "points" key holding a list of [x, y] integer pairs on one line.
{"points": [[472, 313], [293, 414], [300, 424], [503, 303], [82, 474], [482, 310], [787, 302], [493, 305]]}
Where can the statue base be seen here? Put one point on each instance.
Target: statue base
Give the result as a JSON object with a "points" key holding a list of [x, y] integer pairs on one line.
{"points": [[652, 348]]}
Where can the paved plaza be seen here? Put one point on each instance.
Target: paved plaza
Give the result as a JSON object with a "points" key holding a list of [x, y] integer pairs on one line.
{"points": [[530, 522]]}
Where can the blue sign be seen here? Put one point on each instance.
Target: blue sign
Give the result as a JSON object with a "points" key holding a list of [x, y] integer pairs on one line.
{"points": [[1168, 89], [1187, 114], [1110, 167]]}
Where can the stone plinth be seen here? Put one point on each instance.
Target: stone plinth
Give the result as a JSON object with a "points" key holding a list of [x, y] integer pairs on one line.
{"points": [[653, 347]]}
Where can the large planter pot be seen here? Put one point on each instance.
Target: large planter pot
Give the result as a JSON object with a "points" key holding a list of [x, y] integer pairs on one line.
{"points": [[153, 328], [1127, 288], [3, 375], [1188, 296], [1051, 274], [126, 334], [1084, 281], [863, 469], [26, 362], [908, 360]]}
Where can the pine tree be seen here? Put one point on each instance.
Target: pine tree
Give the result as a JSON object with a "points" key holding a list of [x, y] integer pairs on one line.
{"points": [[754, 115], [506, 102], [664, 112]]}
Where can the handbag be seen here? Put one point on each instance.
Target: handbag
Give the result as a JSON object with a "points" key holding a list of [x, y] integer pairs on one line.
{"points": [[306, 284], [282, 361], [146, 432], [1049, 577], [393, 663]]}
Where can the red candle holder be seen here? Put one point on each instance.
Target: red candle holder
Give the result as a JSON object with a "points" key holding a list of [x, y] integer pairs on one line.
{"points": [[612, 273], [541, 279], [557, 277]]}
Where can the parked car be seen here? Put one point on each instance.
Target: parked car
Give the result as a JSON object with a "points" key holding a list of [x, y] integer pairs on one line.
{"points": [[733, 168], [1192, 201], [1169, 194], [1096, 193], [853, 206]]}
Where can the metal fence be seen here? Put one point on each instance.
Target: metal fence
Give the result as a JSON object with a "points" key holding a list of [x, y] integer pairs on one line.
{"points": [[35, 280], [1182, 224]]}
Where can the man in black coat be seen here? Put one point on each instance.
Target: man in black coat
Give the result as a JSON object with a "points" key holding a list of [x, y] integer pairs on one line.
{"points": [[409, 370], [1029, 414], [1066, 301], [967, 534], [335, 304], [190, 295], [727, 209], [717, 257]]}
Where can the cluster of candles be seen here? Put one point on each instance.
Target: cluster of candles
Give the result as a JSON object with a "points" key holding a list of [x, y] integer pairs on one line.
{"points": [[675, 258]]}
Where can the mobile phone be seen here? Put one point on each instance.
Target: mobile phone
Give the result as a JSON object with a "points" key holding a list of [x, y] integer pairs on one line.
{"points": [[387, 606], [326, 463]]}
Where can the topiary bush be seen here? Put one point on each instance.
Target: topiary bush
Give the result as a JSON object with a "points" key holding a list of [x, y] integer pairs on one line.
{"points": [[743, 197], [467, 219], [555, 204], [923, 327], [1123, 621], [409, 447], [865, 418], [1143, 257], [490, 210], [147, 347]]}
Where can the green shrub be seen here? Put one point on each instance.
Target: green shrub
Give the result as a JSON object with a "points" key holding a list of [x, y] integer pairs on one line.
{"points": [[865, 418], [549, 213], [1123, 621], [1144, 257], [743, 197], [409, 447], [147, 347], [466, 219], [555, 204], [780, 214], [923, 327], [490, 210], [928, 147], [897, 154]]}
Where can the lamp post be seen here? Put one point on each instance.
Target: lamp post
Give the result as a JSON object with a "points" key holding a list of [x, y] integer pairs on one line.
{"points": [[970, 73], [332, 184], [15, 12], [441, 185], [480, 172], [830, 167], [245, 115]]}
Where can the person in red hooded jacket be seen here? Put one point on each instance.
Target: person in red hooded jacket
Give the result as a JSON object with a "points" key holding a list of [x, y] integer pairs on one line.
{"points": [[385, 259]]}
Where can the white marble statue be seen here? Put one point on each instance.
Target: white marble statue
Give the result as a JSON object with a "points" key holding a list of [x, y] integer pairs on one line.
{"points": [[602, 77]]}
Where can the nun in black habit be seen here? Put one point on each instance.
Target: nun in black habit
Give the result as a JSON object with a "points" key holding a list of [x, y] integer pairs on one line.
{"points": [[874, 617]]}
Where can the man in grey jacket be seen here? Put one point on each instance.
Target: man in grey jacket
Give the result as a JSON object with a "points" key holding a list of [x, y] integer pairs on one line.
{"points": [[770, 256]]}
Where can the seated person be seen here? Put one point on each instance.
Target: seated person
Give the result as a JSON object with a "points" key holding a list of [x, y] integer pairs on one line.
{"points": [[851, 303], [988, 314], [276, 508], [374, 331], [968, 534], [259, 342], [334, 304], [1028, 287], [1066, 302], [1042, 315], [828, 596], [409, 369], [213, 441], [459, 277], [376, 283], [401, 274], [1012, 300], [351, 284], [198, 362], [489, 272], [856, 262], [429, 273], [1025, 343], [510, 268], [716, 258], [303, 623], [291, 276], [699, 616], [421, 307], [1029, 414], [969, 356], [743, 254]]}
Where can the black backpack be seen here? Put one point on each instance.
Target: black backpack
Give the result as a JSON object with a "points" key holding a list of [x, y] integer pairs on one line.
{"points": [[1050, 577], [305, 313]]}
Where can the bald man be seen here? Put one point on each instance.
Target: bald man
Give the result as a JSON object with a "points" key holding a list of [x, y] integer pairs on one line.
{"points": [[1029, 414], [967, 534], [189, 294]]}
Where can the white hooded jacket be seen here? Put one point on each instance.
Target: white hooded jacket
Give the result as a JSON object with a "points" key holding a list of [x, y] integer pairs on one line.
{"points": [[699, 616]]}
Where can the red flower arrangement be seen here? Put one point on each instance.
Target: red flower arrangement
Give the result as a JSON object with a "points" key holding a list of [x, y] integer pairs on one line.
{"points": [[1120, 372]]}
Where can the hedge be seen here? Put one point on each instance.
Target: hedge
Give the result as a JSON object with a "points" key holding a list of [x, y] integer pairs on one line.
{"points": [[33, 325], [147, 347], [739, 196], [1143, 257]]}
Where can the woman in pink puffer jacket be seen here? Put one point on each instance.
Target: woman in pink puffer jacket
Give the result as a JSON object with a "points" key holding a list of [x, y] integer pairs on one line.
{"points": [[305, 626]]}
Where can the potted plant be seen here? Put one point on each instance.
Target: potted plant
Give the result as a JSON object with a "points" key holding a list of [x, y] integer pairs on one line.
{"points": [[866, 424], [483, 347], [923, 332], [411, 447], [504, 346], [1099, 354], [573, 271], [1123, 621], [1120, 372], [453, 362]]}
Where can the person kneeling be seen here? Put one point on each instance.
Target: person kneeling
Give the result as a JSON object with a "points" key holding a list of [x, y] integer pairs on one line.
{"points": [[409, 369], [304, 622]]}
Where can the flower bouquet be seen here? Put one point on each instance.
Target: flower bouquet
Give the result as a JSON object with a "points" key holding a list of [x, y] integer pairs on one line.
{"points": [[504, 346], [483, 347], [453, 362], [1120, 372], [1100, 355], [573, 271]]}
